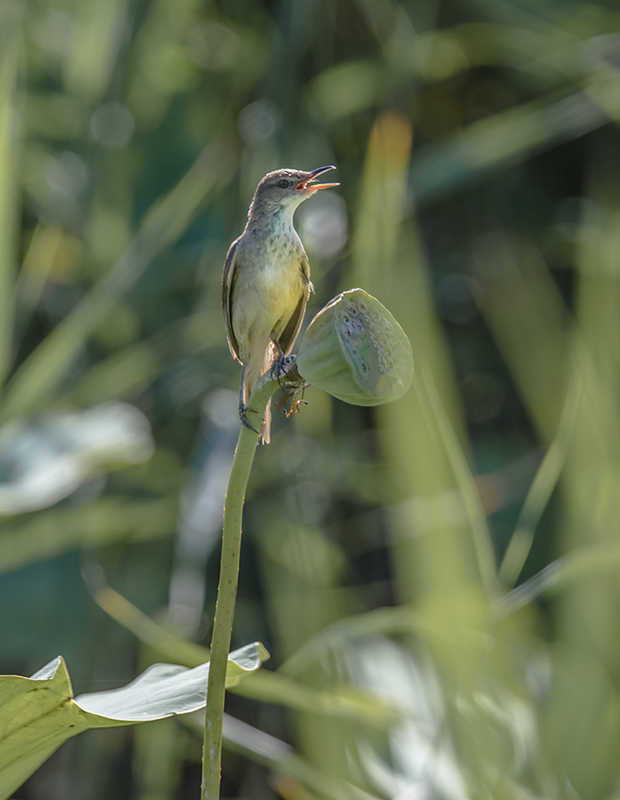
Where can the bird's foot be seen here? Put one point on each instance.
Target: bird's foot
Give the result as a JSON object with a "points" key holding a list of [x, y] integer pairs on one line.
{"points": [[289, 395], [243, 409], [295, 403]]}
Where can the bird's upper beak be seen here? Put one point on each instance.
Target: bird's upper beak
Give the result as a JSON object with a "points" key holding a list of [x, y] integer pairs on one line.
{"points": [[308, 185]]}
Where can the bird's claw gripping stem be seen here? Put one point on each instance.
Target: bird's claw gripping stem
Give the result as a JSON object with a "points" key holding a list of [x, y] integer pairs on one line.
{"points": [[243, 409]]}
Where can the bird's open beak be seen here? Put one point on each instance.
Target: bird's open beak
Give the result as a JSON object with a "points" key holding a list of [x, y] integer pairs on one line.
{"points": [[308, 185]]}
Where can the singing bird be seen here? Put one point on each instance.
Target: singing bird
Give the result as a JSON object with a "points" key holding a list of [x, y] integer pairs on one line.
{"points": [[266, 280]]}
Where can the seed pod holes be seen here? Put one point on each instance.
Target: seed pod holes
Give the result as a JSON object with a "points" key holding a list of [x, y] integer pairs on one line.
{"points": [[355, 350]]}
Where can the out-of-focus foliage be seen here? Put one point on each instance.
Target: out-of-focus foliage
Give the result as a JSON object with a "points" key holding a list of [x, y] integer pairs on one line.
{"points": [[454, 553]]}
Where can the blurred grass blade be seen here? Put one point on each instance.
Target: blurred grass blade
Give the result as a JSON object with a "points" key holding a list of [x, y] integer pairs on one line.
{"points": [[267, 687], [32, 538], [530, 589], [589, 606], [153, 635], [128, 370], [93, 56], [46, 244], [163, 224], [293, 773], [481, 536], [382, 202], [540, 491], [343, 702], [528, 319], [509, 137], [591, 561], [272, 752], [399, 620], [8, 120]]}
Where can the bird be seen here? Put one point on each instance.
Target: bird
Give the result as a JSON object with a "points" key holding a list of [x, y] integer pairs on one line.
{"points": [[266, 281]]}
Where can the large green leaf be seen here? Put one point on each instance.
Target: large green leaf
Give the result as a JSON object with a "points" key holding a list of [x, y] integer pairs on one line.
{"points": [[39, 713]]}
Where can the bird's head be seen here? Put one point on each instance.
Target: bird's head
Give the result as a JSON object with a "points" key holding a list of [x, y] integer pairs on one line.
{"points": [[284, 189]]}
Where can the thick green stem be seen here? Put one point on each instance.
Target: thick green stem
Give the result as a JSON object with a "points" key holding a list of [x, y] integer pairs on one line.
{"points": [[229, 572], [224, 612]]}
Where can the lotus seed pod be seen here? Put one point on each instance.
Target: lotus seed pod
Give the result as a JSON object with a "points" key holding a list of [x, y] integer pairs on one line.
{"points": [[355, 350]]}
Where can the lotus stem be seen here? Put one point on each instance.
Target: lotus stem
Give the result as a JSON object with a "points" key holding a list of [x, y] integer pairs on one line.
{"points": [[283, 369]]}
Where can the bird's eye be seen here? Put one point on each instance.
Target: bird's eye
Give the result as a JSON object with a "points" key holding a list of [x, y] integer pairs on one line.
{"points": [[284, 184]]}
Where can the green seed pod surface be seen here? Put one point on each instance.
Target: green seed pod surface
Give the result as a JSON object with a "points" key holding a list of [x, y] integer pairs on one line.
{"points": [[355, 350]]}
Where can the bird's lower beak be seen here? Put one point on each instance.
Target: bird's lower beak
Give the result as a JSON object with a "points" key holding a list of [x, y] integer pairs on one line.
{"points": [[308, 184]]}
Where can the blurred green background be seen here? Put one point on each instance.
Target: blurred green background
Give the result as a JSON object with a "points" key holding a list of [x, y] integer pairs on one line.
{"points": [[448, 564]]}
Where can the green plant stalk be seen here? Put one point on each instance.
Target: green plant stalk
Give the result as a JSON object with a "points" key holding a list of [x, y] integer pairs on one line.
{"points": [[229, 573], [225, 609]]}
